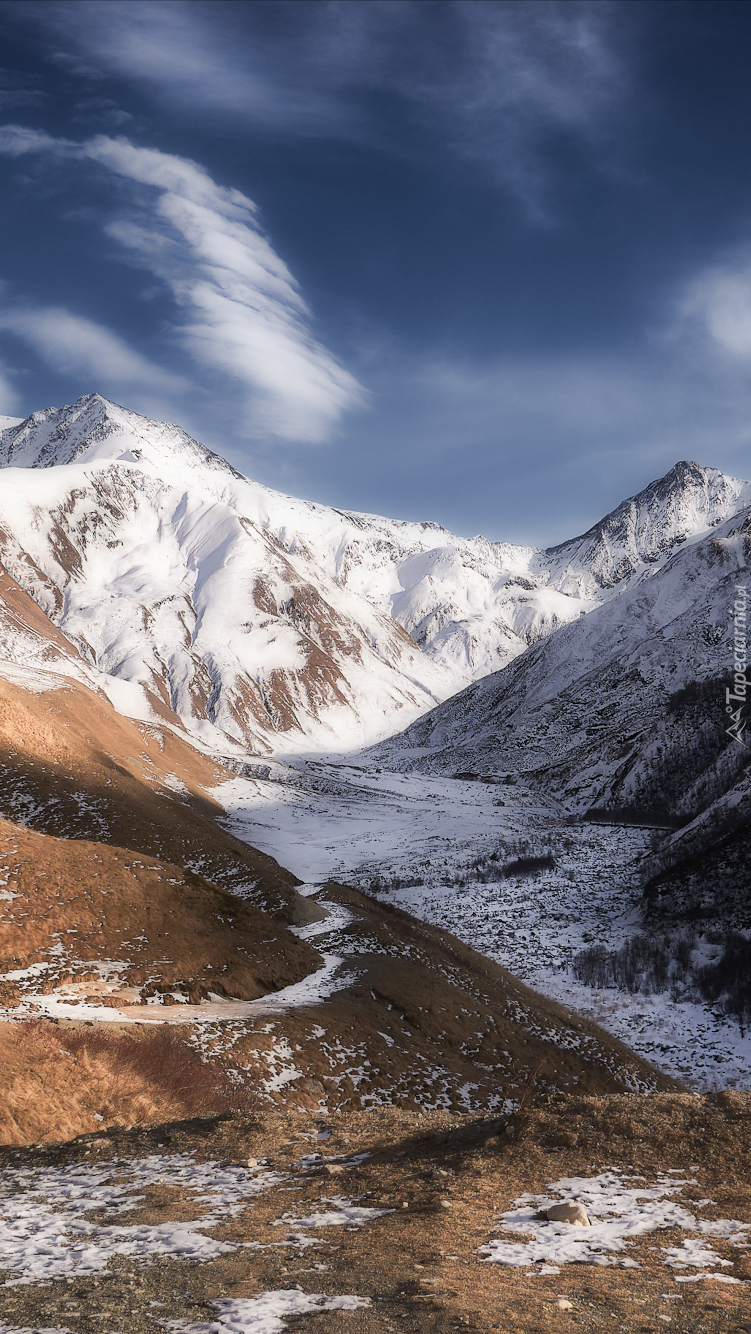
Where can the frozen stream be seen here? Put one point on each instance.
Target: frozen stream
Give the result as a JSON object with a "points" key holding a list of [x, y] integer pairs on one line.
{"points": [[326, 820]]}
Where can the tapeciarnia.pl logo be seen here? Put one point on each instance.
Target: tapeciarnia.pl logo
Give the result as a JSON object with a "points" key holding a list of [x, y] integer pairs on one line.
{"points": [[735, 699]]}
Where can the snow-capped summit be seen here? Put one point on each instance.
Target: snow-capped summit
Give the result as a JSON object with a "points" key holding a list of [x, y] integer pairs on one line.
{"points": [[623, 710], [643, 531], [280, 623], [92, 429]]}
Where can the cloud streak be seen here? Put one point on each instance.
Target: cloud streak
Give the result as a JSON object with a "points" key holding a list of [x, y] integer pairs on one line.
{"points": [[716, 306], [8, 396], [73, 345], [242, 313]]}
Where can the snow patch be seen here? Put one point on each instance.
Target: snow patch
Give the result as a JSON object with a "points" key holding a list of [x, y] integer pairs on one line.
{"points": [[45, 1233], [345, 1212], [619, 1210], [264, 1314]]}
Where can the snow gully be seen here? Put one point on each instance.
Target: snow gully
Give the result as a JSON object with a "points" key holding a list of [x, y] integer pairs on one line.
{"points": [[740, 682]]}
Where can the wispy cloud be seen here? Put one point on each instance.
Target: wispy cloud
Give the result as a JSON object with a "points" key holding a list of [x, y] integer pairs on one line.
{"points": [[716, 308], [242, 311], [8, 396], [19, 90], [73, 345], [492, 80]]}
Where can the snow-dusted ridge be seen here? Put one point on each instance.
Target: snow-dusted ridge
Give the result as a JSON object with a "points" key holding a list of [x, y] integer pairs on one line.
{"points": [[278, 623]]}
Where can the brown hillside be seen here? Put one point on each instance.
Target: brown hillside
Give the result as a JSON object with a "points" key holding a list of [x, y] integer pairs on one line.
{"points": [[69, 903], [416, 1018], [426, 1021], [72, 767]]}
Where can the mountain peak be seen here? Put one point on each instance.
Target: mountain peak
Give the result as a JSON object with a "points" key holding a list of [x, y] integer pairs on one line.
{"points": [[96, 429], [647, 528]]}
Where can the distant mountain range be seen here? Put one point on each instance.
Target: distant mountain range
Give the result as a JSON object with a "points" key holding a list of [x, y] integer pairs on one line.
{"points": [[186, 592]]}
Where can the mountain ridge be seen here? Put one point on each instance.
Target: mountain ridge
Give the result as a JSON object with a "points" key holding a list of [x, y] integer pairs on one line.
{"points": [[347, 626]]}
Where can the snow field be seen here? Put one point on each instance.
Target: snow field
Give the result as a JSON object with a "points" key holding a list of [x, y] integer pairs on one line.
{"points": [[619, 1210], [369, 827]]}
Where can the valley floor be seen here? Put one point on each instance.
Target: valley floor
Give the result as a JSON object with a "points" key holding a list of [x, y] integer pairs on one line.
{"points": [[416, 840]]}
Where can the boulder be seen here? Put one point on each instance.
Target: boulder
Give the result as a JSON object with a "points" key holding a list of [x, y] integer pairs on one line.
{"points": [[575, 1214]]}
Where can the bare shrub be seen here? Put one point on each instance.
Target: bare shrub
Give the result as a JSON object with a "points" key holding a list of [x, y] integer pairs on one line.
{"points": [[641, 965], [524, 866], [648, 964], [159, 1067], [727, 981]]}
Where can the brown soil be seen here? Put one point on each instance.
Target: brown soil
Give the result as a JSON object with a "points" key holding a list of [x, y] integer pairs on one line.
{"points": [[73, 767], [75, 903], [62, 1080], [447, 1179]]}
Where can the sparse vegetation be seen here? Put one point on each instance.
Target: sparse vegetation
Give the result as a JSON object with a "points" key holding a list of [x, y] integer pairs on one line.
{"points": [[728, 981], [382, 884], [134, 1077], [512, 858], [676, 962], [165, 1062], [658, 817], [524, 866], [685, 763]]}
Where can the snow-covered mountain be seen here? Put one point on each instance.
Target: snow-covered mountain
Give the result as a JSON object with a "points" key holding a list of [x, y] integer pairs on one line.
{"points": [[638, 537], [607, 712], [281, 624], [147, 552]]}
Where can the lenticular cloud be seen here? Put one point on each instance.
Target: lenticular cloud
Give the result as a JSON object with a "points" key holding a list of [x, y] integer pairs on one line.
{"points": [[243, 314]]}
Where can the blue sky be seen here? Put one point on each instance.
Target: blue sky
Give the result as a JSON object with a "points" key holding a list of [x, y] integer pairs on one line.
{"points": [[482, 263]]}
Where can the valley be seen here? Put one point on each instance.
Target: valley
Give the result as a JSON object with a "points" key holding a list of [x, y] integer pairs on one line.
{"points": [[416, 841], [324, 839]]}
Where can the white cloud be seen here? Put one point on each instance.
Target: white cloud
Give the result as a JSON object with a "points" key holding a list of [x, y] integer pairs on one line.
{"points": [[15, 140], [77, 346], [243, 314], [8, 396], [717, 303]]}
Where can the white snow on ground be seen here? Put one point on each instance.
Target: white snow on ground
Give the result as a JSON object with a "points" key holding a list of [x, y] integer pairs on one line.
{"points": [[34, 679], [362, 826], [620, 1208], [344, 1212], [45, 1233], [264, 1314]]}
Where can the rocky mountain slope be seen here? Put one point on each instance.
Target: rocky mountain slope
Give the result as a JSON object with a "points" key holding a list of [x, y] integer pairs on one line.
{"points": [[624, 708], [623, 716], [122, 900], [278, 624]]}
